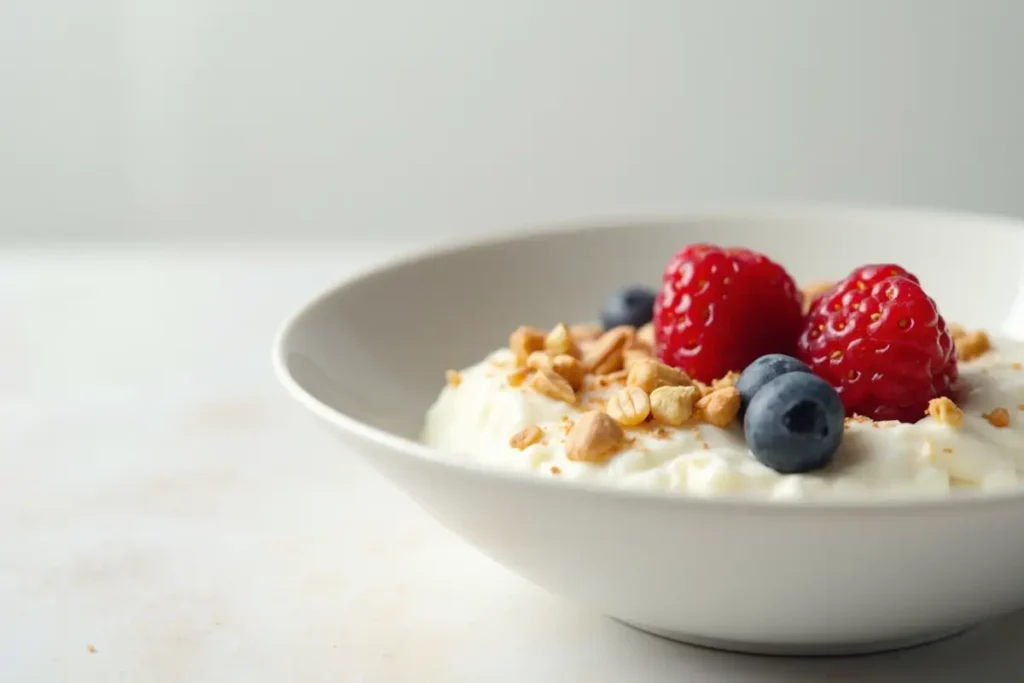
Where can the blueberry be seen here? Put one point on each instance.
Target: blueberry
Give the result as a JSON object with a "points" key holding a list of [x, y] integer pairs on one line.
{"points": [[762, 371], [795, 423], [631, 306]]}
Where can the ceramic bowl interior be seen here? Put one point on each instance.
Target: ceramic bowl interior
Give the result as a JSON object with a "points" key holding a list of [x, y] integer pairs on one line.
{"points": [[368, 357]]}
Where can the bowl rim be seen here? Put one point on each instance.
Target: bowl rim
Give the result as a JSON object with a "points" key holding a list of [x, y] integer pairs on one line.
{"points": [[803, 211]]}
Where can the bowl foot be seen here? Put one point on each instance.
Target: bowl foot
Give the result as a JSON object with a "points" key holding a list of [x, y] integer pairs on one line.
{"points": [[798, 649]]}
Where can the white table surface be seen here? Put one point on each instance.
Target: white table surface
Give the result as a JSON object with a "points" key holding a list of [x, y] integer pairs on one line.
{"points": [[169, 515]]}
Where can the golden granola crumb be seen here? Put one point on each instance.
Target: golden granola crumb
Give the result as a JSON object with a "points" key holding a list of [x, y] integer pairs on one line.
{"points": [[524, 341], [547, 383], [947, 450], [971, 345], [1000, 417], [673, 405], [559, 343], [556, 470], [728, 381], [526, 437], [517, 377], [595, 438], [454, 378], [705, 446], [650, 374], [606, 354], [91, 648], [945, 412], [570, 370], [1020, 406], [720, 407], [1016, 366], [629, 406], [645, 336]]}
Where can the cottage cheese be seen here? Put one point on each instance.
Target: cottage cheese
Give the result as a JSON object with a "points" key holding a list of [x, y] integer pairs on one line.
{"points": [[476, 419]]}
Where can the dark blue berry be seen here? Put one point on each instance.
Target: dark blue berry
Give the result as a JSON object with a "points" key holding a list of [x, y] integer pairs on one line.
{"points": [[762, 371], [631, 306], [795, 423]]}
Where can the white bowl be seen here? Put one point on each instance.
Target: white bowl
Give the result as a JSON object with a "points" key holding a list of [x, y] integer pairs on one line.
{"points": [[368, 356]]}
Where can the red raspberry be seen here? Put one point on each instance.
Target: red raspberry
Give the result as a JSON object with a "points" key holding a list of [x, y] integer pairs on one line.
{"points": [[880, 341], [718, 310]]}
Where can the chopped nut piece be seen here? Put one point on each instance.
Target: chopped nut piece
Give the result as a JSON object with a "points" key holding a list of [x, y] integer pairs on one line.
{"points": [[524, 341], [454, 378], [594, 438], [517, 377], [601, 381], [631, 357], [558, 341], [526, 437], [972, 344], [570, 370], [650, 374], [629, 406], [546, 383], [645, 335], [538, 360], [704, 389], [720, 407], [728, 381], [956, 330], [605, 356], [1000, 417], [586, 332], [556, 470], [673, 405], [945, 412], [812, 291]]}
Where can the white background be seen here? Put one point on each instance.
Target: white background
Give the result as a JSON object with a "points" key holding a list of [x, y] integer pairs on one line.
{"points": [[403, 120]]}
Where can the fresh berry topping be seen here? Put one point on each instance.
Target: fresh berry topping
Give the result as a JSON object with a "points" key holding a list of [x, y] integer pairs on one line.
{"points": [[880, 341], [631, 306], [794, 423], [762, 371], [719, 309]]}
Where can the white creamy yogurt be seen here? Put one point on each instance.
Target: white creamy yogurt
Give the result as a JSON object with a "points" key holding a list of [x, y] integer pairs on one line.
{"points": [[876, 460]]}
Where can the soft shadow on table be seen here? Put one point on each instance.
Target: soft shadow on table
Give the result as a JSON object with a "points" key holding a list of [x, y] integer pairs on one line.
{"points": [[991, 652]]}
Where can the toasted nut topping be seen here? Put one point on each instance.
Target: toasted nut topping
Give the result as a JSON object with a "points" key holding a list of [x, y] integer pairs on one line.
{"points": [[594, 438], [720, 407], [1000, 417], [813, 290], [454, 378], [587, 332], [650, 374], [547, 383], [517, 377], [631, 357], [524, 341], [945, 412], [629, 406], [538, 360], [645, 335], [605, 356], [618, 377], [526, 437], [956, 330], [704, 389], [570, 370], [970, 345], [673, 405], [728, 381], [558, 341]]}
